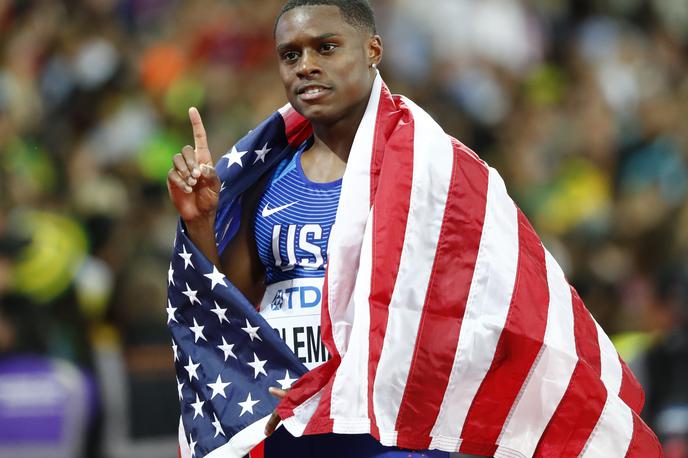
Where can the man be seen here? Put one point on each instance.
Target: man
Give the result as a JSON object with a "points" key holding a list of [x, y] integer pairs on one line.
{"points": [[328, 54], [403, 258]]}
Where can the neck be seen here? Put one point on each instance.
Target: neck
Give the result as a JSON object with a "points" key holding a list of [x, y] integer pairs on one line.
{"points": [[339, 135]]}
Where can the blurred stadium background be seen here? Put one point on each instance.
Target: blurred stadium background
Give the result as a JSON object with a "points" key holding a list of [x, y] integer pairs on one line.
{"points": [[581, 105]]}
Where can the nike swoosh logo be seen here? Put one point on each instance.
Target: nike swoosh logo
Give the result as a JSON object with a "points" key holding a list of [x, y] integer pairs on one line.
{"points": [[267, 211]]}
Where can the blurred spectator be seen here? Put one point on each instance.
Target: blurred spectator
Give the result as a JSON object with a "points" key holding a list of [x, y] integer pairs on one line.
{"points": [[664, 365], [48, 406]]}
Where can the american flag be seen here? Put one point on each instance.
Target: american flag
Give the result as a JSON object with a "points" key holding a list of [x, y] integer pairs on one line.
{"points": [[225, 354], [450, 325]]}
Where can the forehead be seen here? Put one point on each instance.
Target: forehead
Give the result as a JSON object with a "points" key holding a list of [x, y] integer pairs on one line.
{"points": [[313, 21]]}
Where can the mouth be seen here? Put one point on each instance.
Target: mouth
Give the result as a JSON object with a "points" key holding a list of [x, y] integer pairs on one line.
{"points": [[310, 92]]}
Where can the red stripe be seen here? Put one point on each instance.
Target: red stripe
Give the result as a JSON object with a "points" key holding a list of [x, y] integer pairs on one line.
{"points": [[445, 301], [644, 443], [631, 392], [296, 127], [258, 451], [389, 221], [392, 118], [321, 422], [518, 346], [580, 408], [576, 416], [585, 332]]}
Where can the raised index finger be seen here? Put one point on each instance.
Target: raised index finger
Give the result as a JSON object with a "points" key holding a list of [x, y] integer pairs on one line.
{"points": [[200, 138]]}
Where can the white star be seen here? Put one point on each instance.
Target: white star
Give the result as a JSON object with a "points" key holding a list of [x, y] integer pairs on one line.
{"points": [[247, 405], [223, 186], [187, 257], [258, 366], [198, 407], [192, 445], [252, 331], [227, 349], [170, 313], [234, 157], [220, 312], [179, 389], [286, 382], [216, 278], [218, 387], [198, 331], [170, 276], [191, 369], [261, 153], [191, 294], [218, 427], [174, 349]]}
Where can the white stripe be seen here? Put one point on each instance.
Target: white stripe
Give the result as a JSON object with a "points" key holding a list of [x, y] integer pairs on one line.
{"points": [[611, 371], [432, 169], [486, 310], [388, 438], [242, 442], [549, 378], [613, 432], [345, 242], [350, 387], [184, 450], [285, 109], [296, 424]]}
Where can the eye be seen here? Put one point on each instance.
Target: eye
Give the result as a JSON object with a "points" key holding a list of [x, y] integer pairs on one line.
{"points": [[290, 56], [328, 48]]}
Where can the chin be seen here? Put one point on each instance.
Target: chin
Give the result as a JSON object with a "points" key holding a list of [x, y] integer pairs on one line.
{"points": [[316, 114]]}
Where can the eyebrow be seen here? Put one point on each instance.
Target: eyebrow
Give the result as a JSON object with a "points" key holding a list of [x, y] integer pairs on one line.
{"points": [[325, 36]]}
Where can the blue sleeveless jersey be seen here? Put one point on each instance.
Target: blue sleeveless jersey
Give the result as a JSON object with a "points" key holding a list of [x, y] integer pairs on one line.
{"points": [[293, 221], [292, 226]]}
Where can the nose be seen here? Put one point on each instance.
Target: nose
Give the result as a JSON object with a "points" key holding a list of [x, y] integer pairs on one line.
{"points": [[309, 64]]}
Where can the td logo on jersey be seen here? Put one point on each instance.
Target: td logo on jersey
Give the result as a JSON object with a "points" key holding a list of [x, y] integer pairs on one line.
{"points": [[296, 297]]}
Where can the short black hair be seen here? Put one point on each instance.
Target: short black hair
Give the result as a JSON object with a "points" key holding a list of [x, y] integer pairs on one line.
{"points": [[358, 13]]}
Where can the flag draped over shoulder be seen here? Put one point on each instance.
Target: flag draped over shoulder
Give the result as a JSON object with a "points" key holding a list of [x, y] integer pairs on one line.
{"points": [[449, 324]]}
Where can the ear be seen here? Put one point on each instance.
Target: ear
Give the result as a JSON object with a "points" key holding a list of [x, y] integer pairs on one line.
{"points": [[375, 50]]}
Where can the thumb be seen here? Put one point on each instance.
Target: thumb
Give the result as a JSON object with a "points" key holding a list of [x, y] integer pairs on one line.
{"points": [[279, 393]]}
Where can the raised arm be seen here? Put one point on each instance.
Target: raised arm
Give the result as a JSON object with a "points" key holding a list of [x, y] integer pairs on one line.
{"points": [[194, 190]]}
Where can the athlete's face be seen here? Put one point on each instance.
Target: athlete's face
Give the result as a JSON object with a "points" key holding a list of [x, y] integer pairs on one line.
{"points": [[325, 62]]}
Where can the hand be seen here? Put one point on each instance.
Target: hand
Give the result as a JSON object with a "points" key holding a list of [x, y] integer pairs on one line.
{"points": [[274, 418], [192, 183]]}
